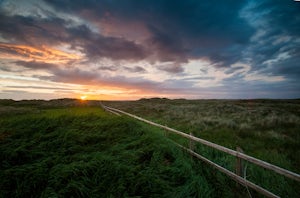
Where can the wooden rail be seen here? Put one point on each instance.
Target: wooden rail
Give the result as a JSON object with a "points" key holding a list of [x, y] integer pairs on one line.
{"points": [[107, 109], [232, 175], [256, 161], [237, 154]]}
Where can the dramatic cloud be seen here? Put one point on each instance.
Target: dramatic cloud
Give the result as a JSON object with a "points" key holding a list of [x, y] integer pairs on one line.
{"points": [[171, 48], [44, 54], [177, 30]]}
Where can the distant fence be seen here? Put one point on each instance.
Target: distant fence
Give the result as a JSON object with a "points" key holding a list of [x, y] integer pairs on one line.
{"points": [[239, 155]]}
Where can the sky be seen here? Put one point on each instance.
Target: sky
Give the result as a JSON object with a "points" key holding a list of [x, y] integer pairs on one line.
{"points": [[131, 49]]}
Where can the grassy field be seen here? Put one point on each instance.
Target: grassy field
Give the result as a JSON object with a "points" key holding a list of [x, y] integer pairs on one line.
{"points": [[66, 148], [266, 129], [70, 148]]}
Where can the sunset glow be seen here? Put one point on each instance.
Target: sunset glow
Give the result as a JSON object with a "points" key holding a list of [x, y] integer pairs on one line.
{"points": [[28, 53], [176, 49], [83, 97]]}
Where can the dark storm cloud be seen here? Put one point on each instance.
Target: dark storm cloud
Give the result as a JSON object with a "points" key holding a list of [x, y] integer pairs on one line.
{"points": [[53, 31], [136, 69], [66, 74], [32, 31], [171, 68], [97, 46], [108, 68], [289, 68], [36, 65], [282, 15], [91, 78], [166, 47], [76, 76], [70, 75], [179, 29], [264, 34], [277, 50]]}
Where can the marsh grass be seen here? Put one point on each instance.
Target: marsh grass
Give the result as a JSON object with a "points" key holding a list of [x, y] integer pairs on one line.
{"points": [[266, 129], [86, 152]]}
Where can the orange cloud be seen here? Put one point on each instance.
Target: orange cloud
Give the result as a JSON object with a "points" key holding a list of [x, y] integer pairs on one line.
{"points": [[42, 54]]}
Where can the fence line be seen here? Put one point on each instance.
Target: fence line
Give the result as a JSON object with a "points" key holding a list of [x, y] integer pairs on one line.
{"points": [[256, 161], [232, 175], [107, 109]]}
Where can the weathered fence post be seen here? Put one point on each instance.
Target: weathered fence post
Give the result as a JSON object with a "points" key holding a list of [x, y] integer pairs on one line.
{"points": [[166, 132], [240, 157], [192, 144], [239, 169]]}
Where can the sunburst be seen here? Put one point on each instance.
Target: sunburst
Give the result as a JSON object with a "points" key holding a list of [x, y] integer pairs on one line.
{"points": [[83, 97]]}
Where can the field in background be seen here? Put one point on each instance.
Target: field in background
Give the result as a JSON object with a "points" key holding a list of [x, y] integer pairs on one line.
{"points": [[73, 148], [266, 129]]}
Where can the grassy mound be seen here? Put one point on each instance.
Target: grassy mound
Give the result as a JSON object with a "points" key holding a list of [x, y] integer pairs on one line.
{"points": [[85, 152]]}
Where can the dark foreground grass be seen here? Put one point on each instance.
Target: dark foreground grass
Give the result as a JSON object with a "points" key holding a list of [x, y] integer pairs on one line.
{"points": [[85, 152]]}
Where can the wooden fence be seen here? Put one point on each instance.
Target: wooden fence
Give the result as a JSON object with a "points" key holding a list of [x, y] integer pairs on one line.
{"points": [[238, 154]]}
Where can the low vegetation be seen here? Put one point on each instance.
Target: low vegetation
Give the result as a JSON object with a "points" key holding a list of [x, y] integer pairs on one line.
{"points": [[266, 129], [81, 151], [70, 148]]}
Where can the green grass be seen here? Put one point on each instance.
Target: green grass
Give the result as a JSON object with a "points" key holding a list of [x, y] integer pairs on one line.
{"points": [[85, 152], [68, 148], [266, 129]]}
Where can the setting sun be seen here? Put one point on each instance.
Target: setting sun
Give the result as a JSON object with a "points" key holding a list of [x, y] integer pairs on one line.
{"points": [[83, 97]]}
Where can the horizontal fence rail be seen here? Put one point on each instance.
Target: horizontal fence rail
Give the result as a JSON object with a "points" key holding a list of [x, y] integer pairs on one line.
{"points": [[232, 175], [256, 161], [107, 109]]}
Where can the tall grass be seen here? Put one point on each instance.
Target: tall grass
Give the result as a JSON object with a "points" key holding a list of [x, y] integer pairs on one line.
{"points": [[85, 152], [266, 129]]}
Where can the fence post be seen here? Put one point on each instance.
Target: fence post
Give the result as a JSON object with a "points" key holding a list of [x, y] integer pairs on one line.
{"points": [[243, 156], [192, 144], [239, 169], [166, 132]]}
